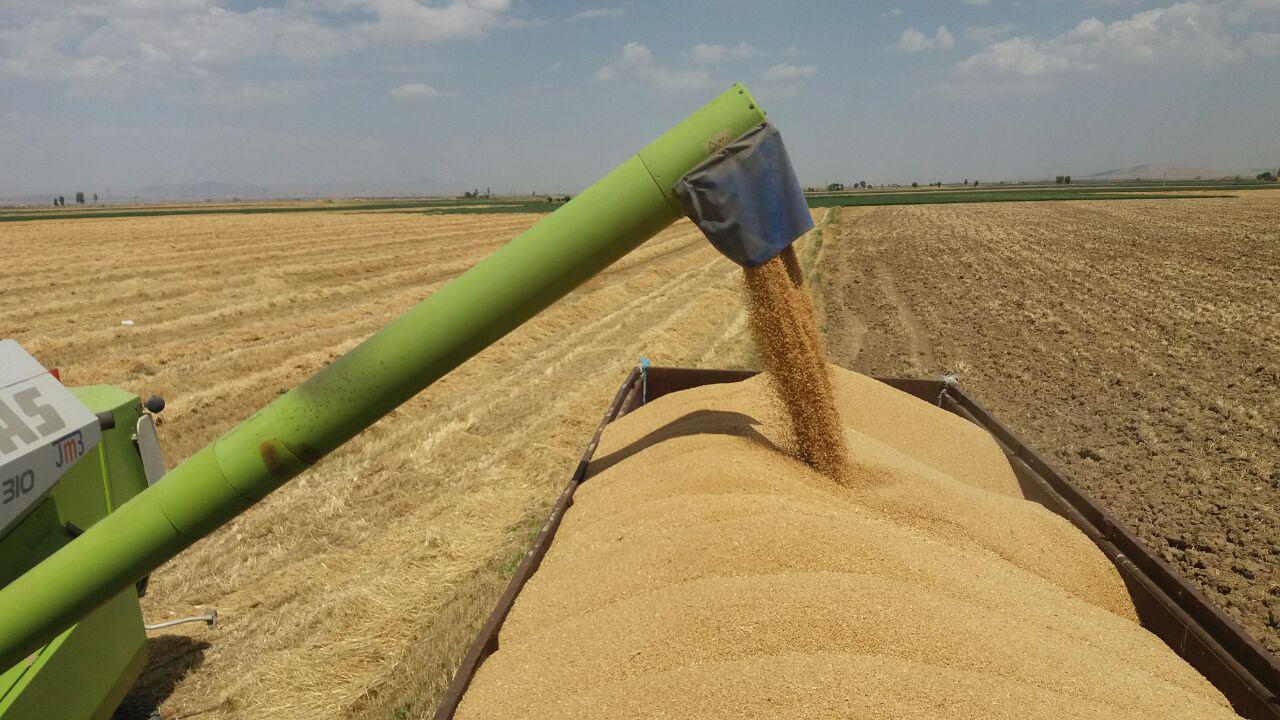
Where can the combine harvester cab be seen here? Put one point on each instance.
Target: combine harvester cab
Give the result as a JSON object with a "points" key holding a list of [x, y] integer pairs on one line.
{"points": [[70, 457]]}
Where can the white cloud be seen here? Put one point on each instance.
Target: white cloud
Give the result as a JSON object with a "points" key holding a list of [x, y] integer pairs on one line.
{"points": [[211, 37], [1016, 56], [139, 40], [1246, 12], [96, 67], [1265, 44], [634, 55], [1188, 33], [636, 62], [987, 34], [977, 3], [597, 13], [128, 8], [891, 12], [787, 71], [913, 40], [718, 53], [410, 21], [416, 91], [238, 95]]}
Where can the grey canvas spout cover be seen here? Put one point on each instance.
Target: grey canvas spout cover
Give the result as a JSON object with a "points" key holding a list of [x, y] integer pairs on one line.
{"points": [[745, 198]]}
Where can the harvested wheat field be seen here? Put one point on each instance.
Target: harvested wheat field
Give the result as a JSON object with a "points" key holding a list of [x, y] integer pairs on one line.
{"points": [[352, 591], [1135, 344], [704, 573]]}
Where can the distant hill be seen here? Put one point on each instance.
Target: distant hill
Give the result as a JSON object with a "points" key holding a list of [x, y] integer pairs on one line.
{"points": [[1159, 172], [222, 191], [225, 191], [202, 190]]}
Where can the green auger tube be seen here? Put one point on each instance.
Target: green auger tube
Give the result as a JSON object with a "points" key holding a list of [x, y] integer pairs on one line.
{"points": [[628, 206]]}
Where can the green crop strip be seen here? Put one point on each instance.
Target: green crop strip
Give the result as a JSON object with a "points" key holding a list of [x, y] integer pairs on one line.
{"points": [[944, 197], [489, 206], [531, 207], [439, 206]]}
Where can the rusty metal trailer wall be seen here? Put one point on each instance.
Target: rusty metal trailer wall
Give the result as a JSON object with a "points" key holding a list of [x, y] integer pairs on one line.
{"points": [[1168, 605]]}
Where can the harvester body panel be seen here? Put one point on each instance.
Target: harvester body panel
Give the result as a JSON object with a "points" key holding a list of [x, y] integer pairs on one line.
{"points": [[83, 673], [112, 472], [44, 432], [87, 669]]}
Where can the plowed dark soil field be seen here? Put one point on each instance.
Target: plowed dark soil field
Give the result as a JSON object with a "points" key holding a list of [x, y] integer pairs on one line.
{"points": [[1136, 345]]}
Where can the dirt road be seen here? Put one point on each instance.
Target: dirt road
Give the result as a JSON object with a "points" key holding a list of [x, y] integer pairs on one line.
{"points": [[1136, 344]]}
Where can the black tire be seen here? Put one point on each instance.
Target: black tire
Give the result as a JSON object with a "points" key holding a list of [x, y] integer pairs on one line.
{"points": [[134, 708]]}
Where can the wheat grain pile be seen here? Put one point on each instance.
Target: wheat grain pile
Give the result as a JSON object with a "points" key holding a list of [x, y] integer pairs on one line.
{"points": [[703, 573]]}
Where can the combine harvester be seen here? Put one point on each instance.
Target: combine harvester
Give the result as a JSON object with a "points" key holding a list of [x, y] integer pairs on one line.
{"points": [[87, 512]]}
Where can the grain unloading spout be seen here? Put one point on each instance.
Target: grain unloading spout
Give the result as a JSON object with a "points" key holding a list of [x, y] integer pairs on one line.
{"points": [[628, 206], [746, 198]]}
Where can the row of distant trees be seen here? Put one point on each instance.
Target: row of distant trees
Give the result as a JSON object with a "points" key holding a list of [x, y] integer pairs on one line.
{"points": [[61, 201], [862, 185], [1266, 176], [469, 194]]}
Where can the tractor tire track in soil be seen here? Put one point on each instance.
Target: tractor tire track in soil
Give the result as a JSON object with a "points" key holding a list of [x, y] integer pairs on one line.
{"points": [[869, 324], [1136, 345], [922, 359]]}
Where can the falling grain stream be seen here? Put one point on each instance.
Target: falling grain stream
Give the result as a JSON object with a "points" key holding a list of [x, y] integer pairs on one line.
{"points": [[782, 324]]}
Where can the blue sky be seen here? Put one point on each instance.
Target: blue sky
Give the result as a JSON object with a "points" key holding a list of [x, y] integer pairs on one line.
{"points": [[519, 94]]}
